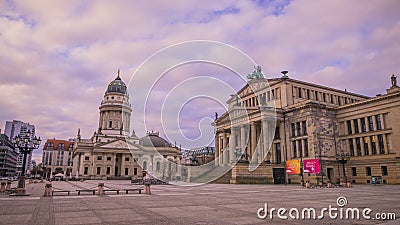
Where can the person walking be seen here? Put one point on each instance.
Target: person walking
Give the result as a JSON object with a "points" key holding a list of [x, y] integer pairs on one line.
{"points": [[146, 180]]}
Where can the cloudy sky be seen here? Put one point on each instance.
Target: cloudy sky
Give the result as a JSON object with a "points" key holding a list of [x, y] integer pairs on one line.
{"points": [[57, 57]]}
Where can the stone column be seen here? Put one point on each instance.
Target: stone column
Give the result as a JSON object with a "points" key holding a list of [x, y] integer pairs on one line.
{"points": [[359, 126], [267, 130], [374, 124], [105, 117], [369, 145], [123, 165], [75, 162], [383, 122], [260, 143], [347, 145], [225, 150], [114, 158], [220, 151], [216, 154], [81, 167], [243, 138], [385, 144], [101, 120], [232, 145], [92, 165], [362, 146], [151, 165], [253, 142]]}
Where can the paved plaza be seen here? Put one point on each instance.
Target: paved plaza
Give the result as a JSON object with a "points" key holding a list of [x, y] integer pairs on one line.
{"points": [[204, 204]]}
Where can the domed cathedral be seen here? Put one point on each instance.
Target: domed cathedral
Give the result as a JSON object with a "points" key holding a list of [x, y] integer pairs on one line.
{"points": [[113, 152]]}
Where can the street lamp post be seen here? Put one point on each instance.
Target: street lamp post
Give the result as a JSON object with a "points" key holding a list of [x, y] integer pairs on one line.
{"points": [[342, 158], [44, 171], [25, 146], [301, 168]]}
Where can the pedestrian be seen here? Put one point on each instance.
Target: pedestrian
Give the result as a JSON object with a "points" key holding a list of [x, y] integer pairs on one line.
{"points": [[146, 180], [308, 185]]}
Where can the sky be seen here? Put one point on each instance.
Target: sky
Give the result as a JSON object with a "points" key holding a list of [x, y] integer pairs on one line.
{"points": [[57, 57]]}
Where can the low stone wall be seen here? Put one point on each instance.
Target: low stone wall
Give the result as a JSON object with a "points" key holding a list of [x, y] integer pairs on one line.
{"points": [[252, 180], [242, 175]]}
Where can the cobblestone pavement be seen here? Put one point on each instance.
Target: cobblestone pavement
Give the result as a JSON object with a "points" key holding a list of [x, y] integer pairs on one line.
{"points": [[205, 204]]}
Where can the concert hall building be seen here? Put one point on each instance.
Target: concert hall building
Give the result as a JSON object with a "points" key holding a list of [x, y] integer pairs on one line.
{"points": [[311, 122]]}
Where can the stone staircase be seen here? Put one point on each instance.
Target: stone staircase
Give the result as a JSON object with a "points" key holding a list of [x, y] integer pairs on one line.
{"points": [[225, 179], [220, 175]]}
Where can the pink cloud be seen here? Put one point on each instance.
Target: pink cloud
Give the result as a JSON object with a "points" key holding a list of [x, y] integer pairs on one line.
{"points": [[58, 56]]}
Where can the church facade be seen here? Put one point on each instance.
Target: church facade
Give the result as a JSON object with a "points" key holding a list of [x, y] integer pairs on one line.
{"points": [[310, 121], [113, 152]]}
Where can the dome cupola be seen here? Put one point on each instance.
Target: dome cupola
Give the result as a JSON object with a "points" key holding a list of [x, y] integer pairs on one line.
{"points": [[115, 110], [152, 139], [117, 85]]}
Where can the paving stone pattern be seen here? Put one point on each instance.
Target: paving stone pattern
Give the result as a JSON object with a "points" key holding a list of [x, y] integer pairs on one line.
{"points": [[205, 204]]}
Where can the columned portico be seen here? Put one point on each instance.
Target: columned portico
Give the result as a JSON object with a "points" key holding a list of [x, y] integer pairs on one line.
{"points": [[312, 122]]}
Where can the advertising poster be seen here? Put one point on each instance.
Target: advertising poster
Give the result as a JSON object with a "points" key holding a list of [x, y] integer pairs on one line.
{"points": [[293, 166], [312, 166]]}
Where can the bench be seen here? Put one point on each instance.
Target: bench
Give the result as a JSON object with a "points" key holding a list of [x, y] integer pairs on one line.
{"points": [[134, 189], [86, 190], [116, 190], [52, 192], [11, 191]]}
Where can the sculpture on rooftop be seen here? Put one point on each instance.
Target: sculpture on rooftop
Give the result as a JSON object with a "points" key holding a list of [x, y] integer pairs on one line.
{"points": [[394, 80], [256, 73]]}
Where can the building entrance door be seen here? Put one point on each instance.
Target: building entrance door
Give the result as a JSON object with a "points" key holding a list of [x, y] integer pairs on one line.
{"points": [[330, 174], [116, 171], [279, 175], [118, 165]]}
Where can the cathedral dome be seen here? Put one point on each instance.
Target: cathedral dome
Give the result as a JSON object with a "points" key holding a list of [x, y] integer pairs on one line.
{"points": [[117, 85], [152, 139]]}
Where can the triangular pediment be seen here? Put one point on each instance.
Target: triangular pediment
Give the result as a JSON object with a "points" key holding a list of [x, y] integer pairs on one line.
{"points": [[245, 91], [252, 87], [119, 144], [223, 118]]}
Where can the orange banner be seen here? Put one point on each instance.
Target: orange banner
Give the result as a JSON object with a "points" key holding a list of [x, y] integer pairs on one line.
{"points": [[293, 166]]}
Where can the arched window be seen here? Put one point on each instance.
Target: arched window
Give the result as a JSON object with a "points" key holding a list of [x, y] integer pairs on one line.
{"points": [[144, 165], [158, 166]]}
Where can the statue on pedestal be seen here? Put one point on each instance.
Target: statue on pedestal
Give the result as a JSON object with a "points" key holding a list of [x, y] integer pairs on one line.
{"points": [[394, 81]]}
